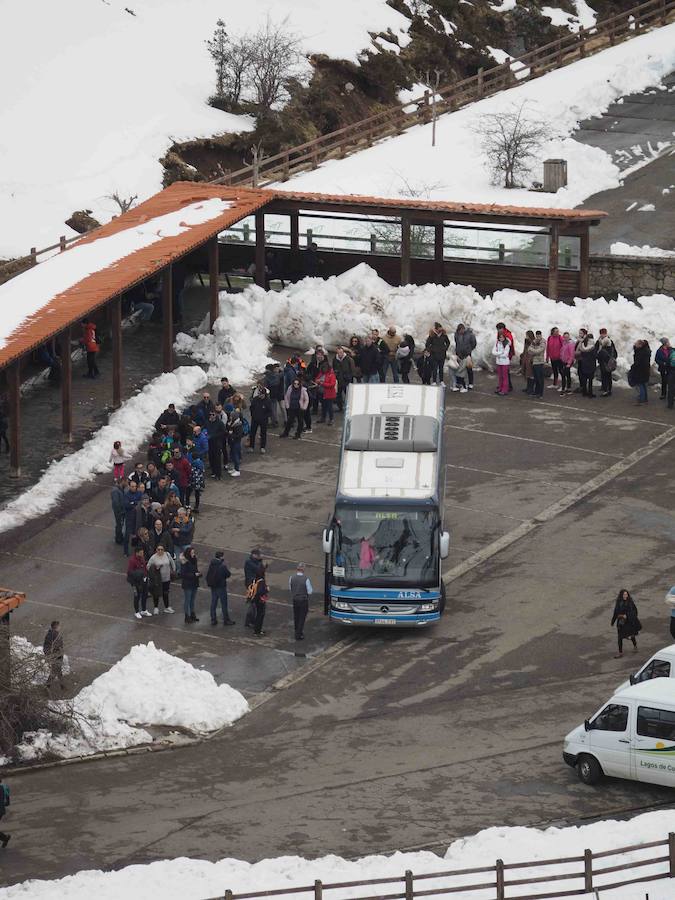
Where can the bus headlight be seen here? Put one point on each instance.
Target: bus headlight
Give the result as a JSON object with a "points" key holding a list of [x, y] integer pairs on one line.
{"points": [[427, 607], [340, 604]]}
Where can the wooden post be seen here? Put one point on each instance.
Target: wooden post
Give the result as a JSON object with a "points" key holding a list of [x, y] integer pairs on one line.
{"points": [[582, 42], [66, 386], [405, 250], [671, 854], [664, 14], [33, 256], [409, 890], [499, 873], [116, 333], [14, 397], [287, 167], [260, 249], [554, 243], [62, 243], [167, 319], [588, 871], [439, 259], [214, 274], [294, 227], [373, 243], [228, 895], [318, 890], [480, 82], [584, 263]]}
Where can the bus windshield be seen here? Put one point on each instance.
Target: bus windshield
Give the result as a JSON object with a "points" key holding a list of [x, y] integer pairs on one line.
{"points": [[386, 546]]}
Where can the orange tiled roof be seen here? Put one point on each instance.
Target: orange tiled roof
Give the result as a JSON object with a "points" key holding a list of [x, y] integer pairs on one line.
{"points": [[96, 289], [10, 600]]}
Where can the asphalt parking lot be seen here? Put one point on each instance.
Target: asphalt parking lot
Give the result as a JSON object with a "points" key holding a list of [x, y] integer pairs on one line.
{"points": [[397, 739]]}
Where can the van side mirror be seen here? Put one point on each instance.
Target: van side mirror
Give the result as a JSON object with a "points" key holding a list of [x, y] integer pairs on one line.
{"points": [[327, 541], [633, 679], [445, 544], [587, 725]]}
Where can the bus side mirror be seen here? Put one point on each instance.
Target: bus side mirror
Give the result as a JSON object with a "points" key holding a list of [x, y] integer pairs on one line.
{"points": [[327, 540], [445, 544]]}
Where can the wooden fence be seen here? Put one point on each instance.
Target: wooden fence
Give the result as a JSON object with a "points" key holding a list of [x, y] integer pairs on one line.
{"points": [[21, 263], [395, 120], [494, 881]]}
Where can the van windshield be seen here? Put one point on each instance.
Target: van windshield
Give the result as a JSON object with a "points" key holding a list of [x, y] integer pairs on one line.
{"points": [[389, 546]]}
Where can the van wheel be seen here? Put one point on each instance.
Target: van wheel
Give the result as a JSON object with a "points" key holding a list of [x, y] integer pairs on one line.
{"points": [[441, 604], [588, 769]]}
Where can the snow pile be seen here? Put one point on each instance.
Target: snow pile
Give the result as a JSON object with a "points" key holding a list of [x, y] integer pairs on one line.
{"points": [[618, 248], [564, 98], [30, 654], [146, 687], [32, 290], [329, 312], [132, 423], [193, 879], [94, 115], [585, 17]]}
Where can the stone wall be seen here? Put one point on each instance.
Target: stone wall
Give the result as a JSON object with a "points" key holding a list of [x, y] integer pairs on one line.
{"points": [[631, 276]]}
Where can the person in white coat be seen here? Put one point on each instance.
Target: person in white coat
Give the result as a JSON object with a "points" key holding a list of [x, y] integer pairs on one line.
{"points": [[501, 351]]}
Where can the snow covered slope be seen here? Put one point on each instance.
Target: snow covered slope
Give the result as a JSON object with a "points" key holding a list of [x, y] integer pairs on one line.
{"points": [[93, 94], [456, 168]]}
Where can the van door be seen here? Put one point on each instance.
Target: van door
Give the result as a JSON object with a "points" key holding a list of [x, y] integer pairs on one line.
{"points": [[655, 668], [610, 740], [654, 746]]}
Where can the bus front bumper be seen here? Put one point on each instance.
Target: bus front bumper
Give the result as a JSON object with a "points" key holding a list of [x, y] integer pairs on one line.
{"points": [[387, 620]]}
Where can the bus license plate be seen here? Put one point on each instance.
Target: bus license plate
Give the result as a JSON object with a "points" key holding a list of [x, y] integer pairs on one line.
{"points": [[385, 622]]}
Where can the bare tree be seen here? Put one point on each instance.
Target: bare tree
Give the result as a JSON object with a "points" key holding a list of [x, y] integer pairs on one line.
{"points": [[255, 160], [275, 60], [124, 203], [511, 138], [238, 63], [431, 83]]}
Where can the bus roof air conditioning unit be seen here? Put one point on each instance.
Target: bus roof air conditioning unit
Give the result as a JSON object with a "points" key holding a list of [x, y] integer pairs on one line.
{"points": [[404, 434]]}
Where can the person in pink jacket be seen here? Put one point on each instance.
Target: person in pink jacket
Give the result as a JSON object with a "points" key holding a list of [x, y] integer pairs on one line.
{"points": [[567, 361], [553, 347]]}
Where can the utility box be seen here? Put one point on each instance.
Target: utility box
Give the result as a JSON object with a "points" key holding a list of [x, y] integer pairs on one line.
{"points": [[555, 175]]}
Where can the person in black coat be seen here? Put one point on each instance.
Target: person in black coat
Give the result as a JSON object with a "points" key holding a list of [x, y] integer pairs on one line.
{"points": [[426, 367], [216, 430], [627, 622], [216, 579], [261, 413], [369, 362], [588, 361], [638, 375], [190, 576]]}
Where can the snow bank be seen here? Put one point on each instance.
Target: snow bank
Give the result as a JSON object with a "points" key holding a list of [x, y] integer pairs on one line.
{"points": [[193, 879], [146, 687], [563, 98], [329, 312], [94, 115], [32, 290], [132, 423], [618, 248]]}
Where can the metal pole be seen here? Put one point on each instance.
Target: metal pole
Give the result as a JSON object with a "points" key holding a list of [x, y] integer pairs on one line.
{"points": [[116, 331], [214, 274], [260, 249], [14, 385], [66, 386], [167, 319]]}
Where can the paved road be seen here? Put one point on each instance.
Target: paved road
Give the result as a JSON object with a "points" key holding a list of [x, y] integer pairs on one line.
{"points": [[403, 739]]}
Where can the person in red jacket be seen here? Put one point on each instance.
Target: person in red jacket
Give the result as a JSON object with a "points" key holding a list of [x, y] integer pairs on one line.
{"points": [[500, 326], [91, 347], [553, 347], [327, 381], [182, 471]]}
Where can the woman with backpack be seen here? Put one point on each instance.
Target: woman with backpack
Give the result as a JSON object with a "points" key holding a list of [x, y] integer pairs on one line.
{"points": [[626, 618], [190, 576], [137, 577], [258, 592]]}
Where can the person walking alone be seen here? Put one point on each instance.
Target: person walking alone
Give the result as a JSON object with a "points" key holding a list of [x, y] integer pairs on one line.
{"points": [[52, 647], [300, 588], [627, 622], [216, 578]]}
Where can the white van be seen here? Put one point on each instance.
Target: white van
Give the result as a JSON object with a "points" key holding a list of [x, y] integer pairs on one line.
{"points": [[660, 665], [631, 736]]}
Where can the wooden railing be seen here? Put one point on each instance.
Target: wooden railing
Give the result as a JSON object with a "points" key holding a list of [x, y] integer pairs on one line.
{"points": [[395, 120], [22, 263], [497, 879]]}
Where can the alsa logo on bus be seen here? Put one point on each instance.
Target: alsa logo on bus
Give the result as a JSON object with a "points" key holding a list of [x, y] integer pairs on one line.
{"points": [[410, 595]]}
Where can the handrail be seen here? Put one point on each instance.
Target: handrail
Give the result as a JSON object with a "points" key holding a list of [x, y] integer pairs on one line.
{"points": [[502, 881], [531, 64]]}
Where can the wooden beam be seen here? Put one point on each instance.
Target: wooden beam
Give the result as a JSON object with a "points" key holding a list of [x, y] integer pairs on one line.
{"points": [[294, 223], [214, 275], [116, 330], [439, 233], [260, 249], [66, 385], [405, 250], [14, 397], [554, 246], [167, 319], [584, 262]]}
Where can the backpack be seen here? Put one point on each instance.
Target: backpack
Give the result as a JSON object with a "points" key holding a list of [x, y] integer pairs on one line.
{"points": [[252, 589], [245, 427], [212, 572]]}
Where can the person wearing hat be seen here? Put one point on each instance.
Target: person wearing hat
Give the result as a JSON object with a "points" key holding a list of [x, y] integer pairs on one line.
{"points": [[216, 579], [662, 360], [300, 588]]}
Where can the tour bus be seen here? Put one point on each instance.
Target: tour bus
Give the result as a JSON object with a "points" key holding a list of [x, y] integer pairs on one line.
{"points": [[630, 736], [385, 540]]}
